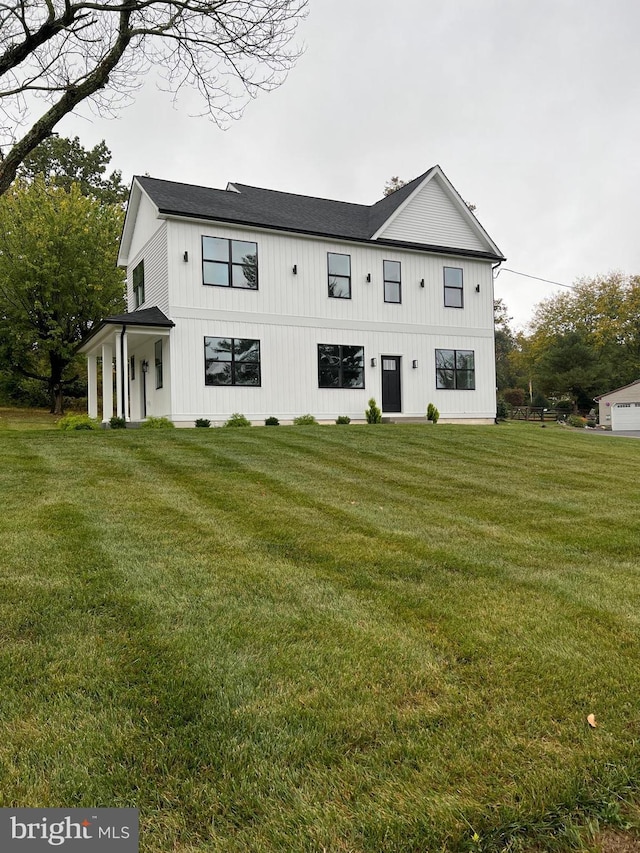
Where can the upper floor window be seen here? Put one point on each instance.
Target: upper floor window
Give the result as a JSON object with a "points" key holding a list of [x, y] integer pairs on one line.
{"points": [[339, 267], [231, 361], [455, 369], [392, 281], [340, 366], [230, 263], [138, 284], [453, 297], [158, 355]]}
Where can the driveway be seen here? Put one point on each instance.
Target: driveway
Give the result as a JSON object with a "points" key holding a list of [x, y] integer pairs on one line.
{"points": [[624, 433]]}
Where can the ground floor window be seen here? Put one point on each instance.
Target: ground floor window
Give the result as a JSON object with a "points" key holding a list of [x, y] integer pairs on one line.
{"points": [[340, 366], [455, 369], [231, 361]]}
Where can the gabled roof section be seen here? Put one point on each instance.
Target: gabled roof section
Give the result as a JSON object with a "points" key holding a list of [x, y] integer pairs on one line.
{"points": [[137, 199], [385, 209], [432, 211], [242, 204]]}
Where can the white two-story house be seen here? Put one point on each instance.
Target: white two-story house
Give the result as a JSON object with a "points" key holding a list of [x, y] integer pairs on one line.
{"points": [[274, 304]]}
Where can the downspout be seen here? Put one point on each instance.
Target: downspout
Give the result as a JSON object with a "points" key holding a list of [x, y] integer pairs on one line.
{"points": [[493, 299], [123, 371]]}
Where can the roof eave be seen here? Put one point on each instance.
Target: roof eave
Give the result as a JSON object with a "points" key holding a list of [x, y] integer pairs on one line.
{"points": [[120, 320], [420, 247]]}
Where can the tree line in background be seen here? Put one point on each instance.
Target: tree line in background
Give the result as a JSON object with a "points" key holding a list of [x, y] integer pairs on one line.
{"points": [[580, 344]]}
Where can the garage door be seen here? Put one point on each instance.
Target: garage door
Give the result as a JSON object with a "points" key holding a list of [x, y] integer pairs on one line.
{"points": [[625, 416]]}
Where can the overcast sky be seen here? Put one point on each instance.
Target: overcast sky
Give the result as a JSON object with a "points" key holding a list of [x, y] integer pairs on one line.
{"points": [[532, 109]]}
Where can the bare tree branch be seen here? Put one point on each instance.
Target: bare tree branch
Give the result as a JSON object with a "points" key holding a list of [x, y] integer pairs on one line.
{"points": [[68, 52]]}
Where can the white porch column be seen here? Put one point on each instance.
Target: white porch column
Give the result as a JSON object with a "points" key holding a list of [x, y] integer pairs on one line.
{"points": [[107, 383], [92, 385], [125, 359], [119, 409]]}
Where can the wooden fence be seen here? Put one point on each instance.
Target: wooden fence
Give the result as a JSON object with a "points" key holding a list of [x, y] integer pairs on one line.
{"points": [[537, 413]]}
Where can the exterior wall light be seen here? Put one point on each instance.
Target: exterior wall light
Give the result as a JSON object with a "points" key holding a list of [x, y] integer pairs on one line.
{"points": [[145, 365], [477, 288], [414, 363], [421, 282], [295, 269], [374, 362], [185, 257], [369, 277]]}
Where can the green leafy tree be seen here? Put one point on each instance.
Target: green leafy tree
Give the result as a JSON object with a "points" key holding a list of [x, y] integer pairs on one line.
{"points": [[505, 343], [62, 162], [605, 312], [58, 278], [570, 365]]}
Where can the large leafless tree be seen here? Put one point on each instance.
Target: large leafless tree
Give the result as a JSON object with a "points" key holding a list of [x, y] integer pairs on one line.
{"points": [[55, 54]]}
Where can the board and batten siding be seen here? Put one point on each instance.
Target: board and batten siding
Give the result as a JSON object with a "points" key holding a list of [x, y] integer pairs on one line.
{"points": [[290, 314], [289, 370], [430, 218], [156, 272], [284, 294]]}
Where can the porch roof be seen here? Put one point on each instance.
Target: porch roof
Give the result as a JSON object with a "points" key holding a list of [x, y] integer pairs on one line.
{"points": [[143, 320]]}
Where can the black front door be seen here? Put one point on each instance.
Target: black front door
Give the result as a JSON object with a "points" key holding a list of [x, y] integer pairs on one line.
{"points": [[391, 397]]}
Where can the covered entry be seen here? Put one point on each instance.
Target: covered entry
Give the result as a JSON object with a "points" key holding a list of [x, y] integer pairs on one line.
{"points": [[133, 348]]}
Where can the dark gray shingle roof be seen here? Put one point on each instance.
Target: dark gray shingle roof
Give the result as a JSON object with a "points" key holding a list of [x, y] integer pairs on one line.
{"points": [[274, 209], [255, 206], [142, 317]]}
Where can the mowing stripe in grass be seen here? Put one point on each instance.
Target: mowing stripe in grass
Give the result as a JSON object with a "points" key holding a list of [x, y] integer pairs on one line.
{"points": [[290, 651]]}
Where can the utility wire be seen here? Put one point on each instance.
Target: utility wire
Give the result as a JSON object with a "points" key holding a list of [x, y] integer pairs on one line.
{"points": [[537, 278]]}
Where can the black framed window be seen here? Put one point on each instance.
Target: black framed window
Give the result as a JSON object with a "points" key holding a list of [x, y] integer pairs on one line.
{"points": [[229, 263], [138, 284], [158, 355], [392, 281], [340, 366], [453, 292], [231, 361], [339, 267], [455, 369]]}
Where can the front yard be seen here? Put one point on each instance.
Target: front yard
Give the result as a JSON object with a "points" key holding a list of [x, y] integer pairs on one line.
{"points": [[360, 638]]}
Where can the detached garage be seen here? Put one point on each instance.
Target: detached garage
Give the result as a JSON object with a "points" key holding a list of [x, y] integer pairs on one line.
{"points": [[620, 409]]}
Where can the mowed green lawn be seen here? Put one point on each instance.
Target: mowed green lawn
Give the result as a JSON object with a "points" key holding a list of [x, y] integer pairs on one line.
{"points": [[382, 639]]}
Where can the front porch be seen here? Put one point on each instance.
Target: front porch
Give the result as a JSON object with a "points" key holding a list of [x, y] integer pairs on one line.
{"points": [[136, 347]]}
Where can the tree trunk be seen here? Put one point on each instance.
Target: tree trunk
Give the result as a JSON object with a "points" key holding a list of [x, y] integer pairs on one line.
{"points": [[58, 365]]}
